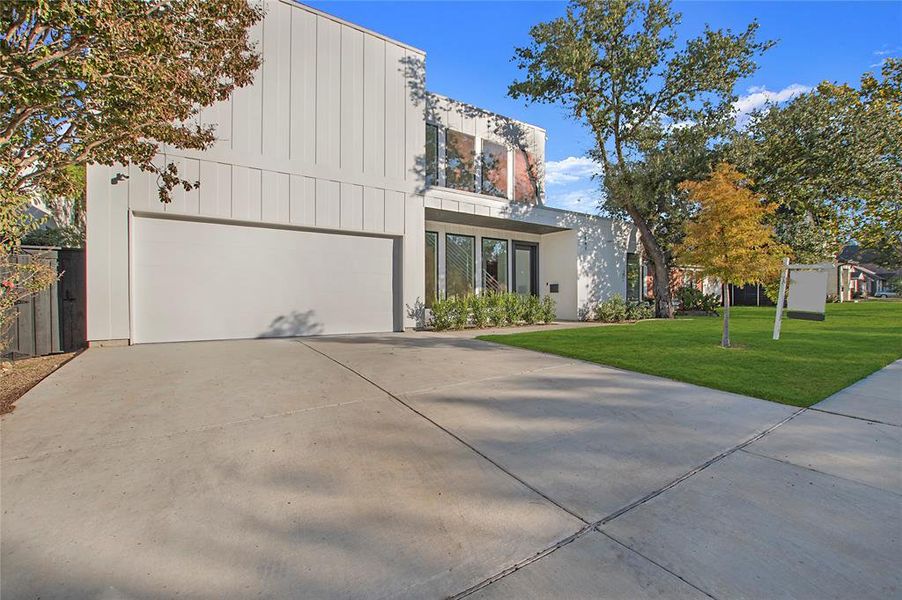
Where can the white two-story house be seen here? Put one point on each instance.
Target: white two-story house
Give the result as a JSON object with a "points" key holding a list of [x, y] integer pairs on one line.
{"points": [[340, 197]]}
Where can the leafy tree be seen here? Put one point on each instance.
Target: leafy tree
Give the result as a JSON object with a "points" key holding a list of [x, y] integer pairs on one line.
{"points": [[107, 81], [832, 160], [727, 237], [613, 64]]}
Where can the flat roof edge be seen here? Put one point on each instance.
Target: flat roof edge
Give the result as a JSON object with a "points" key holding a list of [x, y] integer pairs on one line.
{"points": [[325, 15], [490, 112]]}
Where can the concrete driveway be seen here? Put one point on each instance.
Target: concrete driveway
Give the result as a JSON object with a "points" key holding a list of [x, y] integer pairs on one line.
{"points": [[418, 465]]}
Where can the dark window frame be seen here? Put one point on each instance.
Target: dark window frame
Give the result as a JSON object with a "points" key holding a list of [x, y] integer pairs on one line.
{"points": [[534, 270], [637, 297], [426, 174], [428, 301], [472, 239], [507, 248]]}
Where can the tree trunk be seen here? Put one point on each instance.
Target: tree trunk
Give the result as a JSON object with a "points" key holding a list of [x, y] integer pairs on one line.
{"points": [[725, 338], [663, 304]]}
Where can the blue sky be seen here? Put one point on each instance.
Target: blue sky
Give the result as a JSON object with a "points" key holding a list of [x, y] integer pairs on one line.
{"points": [[469, 46]]}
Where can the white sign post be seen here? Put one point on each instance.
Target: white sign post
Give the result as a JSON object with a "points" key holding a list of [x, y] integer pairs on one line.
{"points": [[808, 299], [781, 297]]}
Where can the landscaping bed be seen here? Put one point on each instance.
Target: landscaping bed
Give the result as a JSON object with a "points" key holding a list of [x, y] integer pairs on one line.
{"points": [[18, 377], [811, 361]]}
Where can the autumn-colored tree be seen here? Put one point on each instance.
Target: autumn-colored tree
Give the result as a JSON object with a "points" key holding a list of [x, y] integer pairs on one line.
{"points": [[615, 66], [107, 81], [728, 237]]}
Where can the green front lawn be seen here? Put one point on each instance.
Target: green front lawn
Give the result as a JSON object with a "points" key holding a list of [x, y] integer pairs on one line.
{"points": [[811, 361]]}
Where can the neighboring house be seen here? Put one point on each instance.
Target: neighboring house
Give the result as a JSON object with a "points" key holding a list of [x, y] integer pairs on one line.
{"points": [[681, 276], [340, 197], [868, 279]]}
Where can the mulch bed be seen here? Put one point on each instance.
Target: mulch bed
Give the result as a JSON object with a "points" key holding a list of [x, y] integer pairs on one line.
{"points": [[19, 376]]}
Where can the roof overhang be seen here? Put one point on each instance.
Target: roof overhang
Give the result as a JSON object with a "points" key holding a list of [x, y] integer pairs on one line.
{"points": [[474, 220]]}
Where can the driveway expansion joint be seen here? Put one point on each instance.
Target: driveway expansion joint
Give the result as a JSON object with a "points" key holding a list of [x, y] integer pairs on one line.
{"points": [[848, 416], [819, 472], [596, 525], [698, 469], [458, 438], [656, 563]]}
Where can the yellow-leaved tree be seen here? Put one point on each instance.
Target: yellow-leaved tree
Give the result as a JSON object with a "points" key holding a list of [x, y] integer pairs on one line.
{"points": [[727, 237]]}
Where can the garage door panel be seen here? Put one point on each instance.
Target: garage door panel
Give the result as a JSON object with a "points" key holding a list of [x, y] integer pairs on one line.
{"points": [[196, 281]]}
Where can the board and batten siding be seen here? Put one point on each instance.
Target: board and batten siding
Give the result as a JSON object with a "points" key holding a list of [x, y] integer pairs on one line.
{"points": [[329, 136]]}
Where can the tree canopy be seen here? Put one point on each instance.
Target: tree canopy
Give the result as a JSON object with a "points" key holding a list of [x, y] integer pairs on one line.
{"points": [[832, 160], [110, 81], [615, 66], [727, 236]]}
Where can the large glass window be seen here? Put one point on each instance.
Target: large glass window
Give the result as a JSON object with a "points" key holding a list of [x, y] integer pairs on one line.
{"points": [[431, 267], [460, 265], [431, 155], [494, 265], [633, 277], [494, 169], [460, 157], [526, 178]]}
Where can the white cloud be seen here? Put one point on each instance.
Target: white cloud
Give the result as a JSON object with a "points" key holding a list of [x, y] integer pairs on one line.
{"points": [[759, 97], [580, 200], [570, 169]]}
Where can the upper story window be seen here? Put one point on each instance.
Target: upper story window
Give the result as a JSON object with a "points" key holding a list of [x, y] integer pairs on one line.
{"points": [[460, 159], [494, 169], [526, 178], [431, 155]]}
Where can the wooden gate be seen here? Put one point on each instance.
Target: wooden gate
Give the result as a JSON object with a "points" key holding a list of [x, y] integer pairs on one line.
{"points": [[54, 319]]}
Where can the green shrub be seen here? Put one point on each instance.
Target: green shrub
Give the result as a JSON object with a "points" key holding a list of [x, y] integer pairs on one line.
{"points": [[496, 309], [532, 312], [691, 298], [460, 311], [612, 310], [710, 303], [636, 311], [479, 310], [441, 313], [548, 309], [513, 308]]}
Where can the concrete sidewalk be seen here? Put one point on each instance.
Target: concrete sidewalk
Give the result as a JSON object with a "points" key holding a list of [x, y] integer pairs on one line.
{"points": [[428, 465]]}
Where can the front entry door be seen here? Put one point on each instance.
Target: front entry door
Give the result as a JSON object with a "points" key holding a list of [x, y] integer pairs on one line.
{"points": [[526, 268]]}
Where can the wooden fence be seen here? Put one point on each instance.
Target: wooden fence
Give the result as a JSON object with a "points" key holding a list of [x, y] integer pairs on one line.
{"points": [[54, 319]]}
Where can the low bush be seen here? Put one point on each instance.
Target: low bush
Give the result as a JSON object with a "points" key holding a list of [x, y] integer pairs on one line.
{"points": [[532, 312], [496, 310], [612, 310], [441, 313], [491, 309], [479, 310], [513, 308], [460, 311], [636, 311], [548, 309], [693, 299]]}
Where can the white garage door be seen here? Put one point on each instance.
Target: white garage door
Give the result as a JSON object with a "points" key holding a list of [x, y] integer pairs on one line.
{"points": [[208, 281]]}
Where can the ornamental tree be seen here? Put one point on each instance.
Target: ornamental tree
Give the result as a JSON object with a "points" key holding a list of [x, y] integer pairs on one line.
{"points": [[108, 81], [614, 66], [727, 237]]}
